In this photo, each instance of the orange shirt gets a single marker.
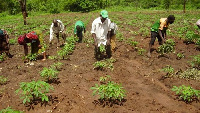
(163, 23)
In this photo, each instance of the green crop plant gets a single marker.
(57, 65)
(12, 41)
(52, 57)
(2, 57)
(105, 78)
(141, 51)
(169, 70)
(49, 73)
(109, 91)
(192, 73)
(131, 42)
(188, 94)
(167, 47)
(196, 61)
(10, 110)
(30, 91)
(3, 80)
(189, 38)
(107, 63)
(179, 56)
(99, 65)
(102, 48)
(31, 57)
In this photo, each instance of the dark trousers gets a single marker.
(97, 51)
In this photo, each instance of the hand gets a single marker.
(39, 46)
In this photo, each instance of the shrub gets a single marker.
(10, 110)
(167, 47)
(188, 94)
(109, 90)
(30, 91)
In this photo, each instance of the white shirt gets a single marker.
(198, 22)
(101, 29)
(114, 27)
(53, 29)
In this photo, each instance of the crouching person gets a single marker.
(101, 33)
(4, 43)
(37, 43)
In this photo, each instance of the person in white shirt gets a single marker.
(198, 23)
(113, 33)
(101, 33)
(56, 28)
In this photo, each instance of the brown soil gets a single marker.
(146, 89)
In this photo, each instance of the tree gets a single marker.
(23, 8)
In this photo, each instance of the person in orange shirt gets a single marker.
(159, 30)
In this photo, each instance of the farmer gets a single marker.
(4, 43)
(159, 30)
(56, 28)
(37, 43)
(79, 27)
(113, 32)
(101, 33)
(198, 23)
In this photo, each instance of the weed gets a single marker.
(192, 73)
(104, 79)
(52, 57)
(188, 94)
(30, 91)
(109, 91)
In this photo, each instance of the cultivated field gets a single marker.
(148, 89)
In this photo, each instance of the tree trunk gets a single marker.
(23, 8)
(184, 3)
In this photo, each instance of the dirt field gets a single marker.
(147, 91)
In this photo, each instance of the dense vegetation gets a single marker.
(57, 6)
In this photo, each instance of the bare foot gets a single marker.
(149, 54)
(44, 59)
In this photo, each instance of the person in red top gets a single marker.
(36, 40)
(4, 43)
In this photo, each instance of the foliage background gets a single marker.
(57, 6)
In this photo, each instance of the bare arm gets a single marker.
(95, 39)
(160, 34)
